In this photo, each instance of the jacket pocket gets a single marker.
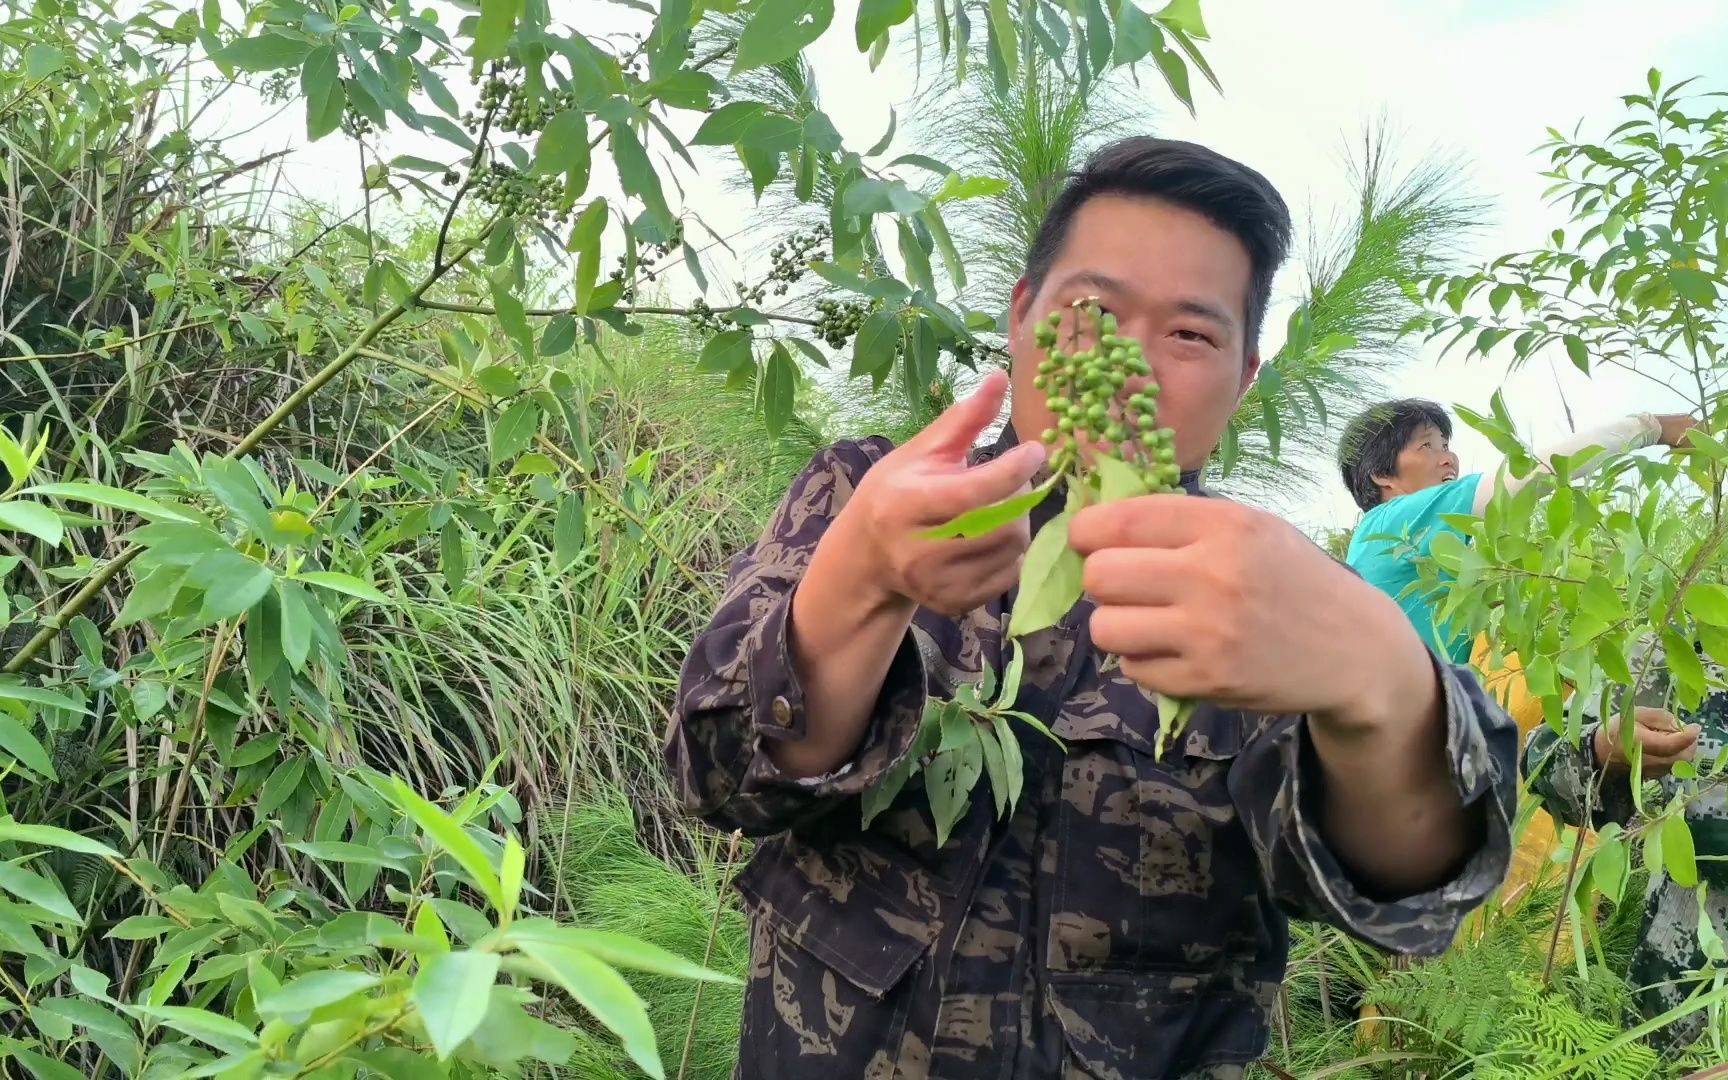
(1155, 872)
(834, 965)
(1151, 1026)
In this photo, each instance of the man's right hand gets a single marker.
(926, 482)
(1663, 739)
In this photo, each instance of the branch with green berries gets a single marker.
(1130, 456)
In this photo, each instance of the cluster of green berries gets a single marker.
(964, 351)
(792, 256)
(705, 320)
(1085, 386)
(522, 196)
(838, 320)
(648, 256)
(355, 125)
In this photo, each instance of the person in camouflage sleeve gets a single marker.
(1129, 917)
(1590, 784)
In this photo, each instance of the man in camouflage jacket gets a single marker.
(1128, 918)
(1590, 784)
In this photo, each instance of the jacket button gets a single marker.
(782, 712)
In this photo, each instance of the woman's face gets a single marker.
(1426, 460)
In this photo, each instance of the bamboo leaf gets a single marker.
(52, 836)
(32, 518)
(443, 831)
(1678, 857)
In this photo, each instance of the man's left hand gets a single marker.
(1204, 598)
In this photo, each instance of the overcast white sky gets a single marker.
(1480, 80)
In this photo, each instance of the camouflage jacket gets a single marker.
(1668, 957)
(1127, 920)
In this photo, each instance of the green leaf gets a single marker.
(873, 350)
(1578, 353)
(1183, 15)
(605, 994)
(779, 30)
(102, 495)
(1013, 762)
(987, 519)
(563, 150)
(51, 836)
(33, 888)
(321, 86)
(41, 61)
(1599, 600)
(452, 991)
(1050, 577)
(453, 555)
(876, 17)
(728, 124)
(995, 767)
(142, 927)
(492, 32)
(442, 829)
(1708, 603)
(284, 781)
(10, 691)
(569, 530)
(1685, 667)
(727, 351)
(1136, 33)
(315, 990)
(779, 389)
(510, 874)
(497, 380)
(514, 430)
(513, 318)
(949, 780)
(917, 260)
(43, 1067)
(341, 851)
(585, 237)
(1678, 856)
(1695, 286)
(296, 624)
(559, 337)
(618, 950)
(16, 740)
(33, 518)
(636, 173)
(932, 219)
(346, 584)
(1608, 866)
(219, 1031)
(1118, 480)
(266, 52)
(232, 583)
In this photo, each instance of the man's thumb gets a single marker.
(959, 425)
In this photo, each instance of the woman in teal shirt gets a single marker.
(1396, 458)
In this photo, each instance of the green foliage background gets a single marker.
(347, 559)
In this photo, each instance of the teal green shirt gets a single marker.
(1380, 550)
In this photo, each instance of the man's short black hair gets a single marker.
(1225, 192)
(1373, 440)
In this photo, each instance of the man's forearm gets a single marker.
(1390, 809)
(845, 633)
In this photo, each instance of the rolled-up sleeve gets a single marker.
(738, 688)
(1276, 785)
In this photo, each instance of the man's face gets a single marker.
(1426, 460)
(1177, 283)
